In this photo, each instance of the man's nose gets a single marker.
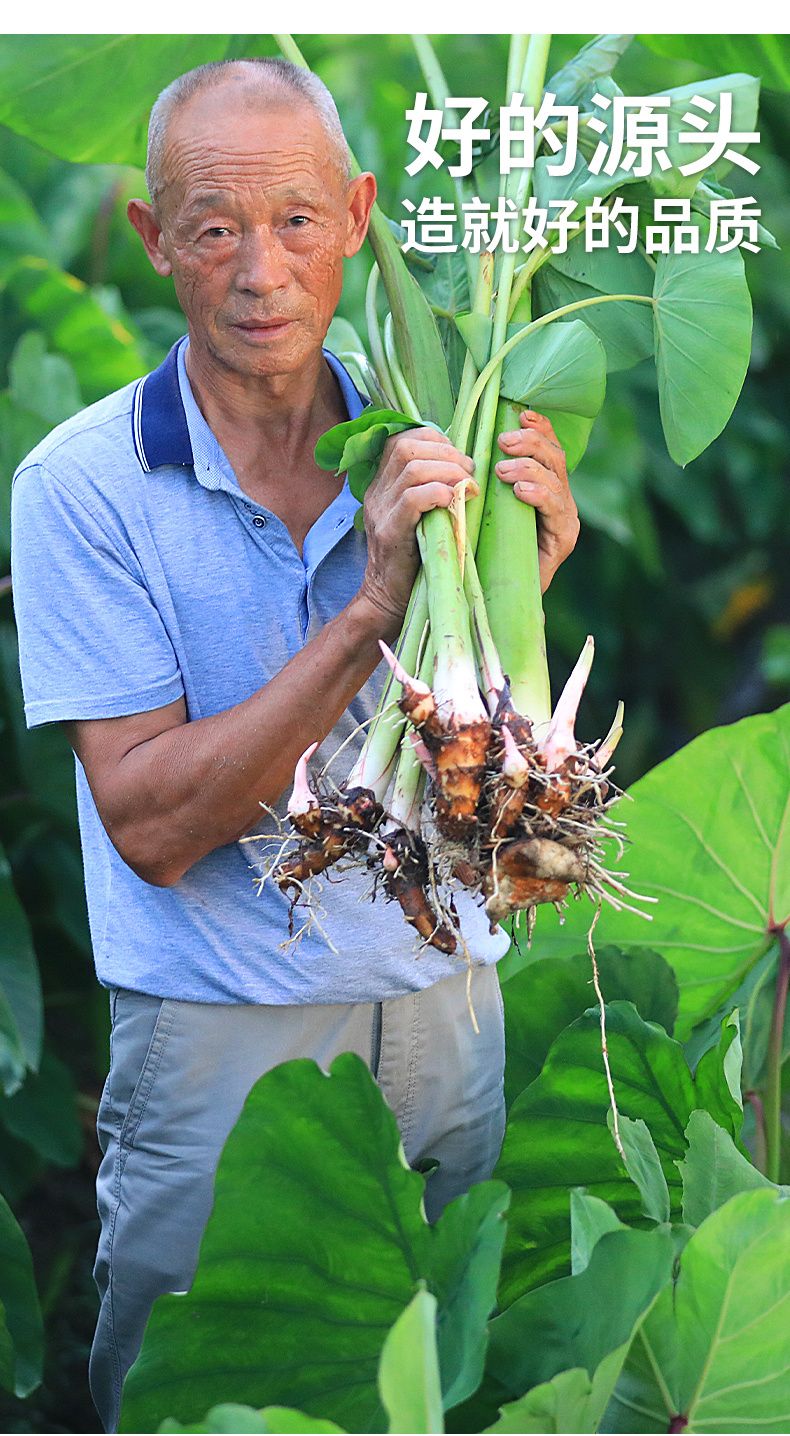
(263, 266)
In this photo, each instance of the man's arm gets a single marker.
(169, 791)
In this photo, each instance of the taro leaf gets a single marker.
(22, 1343)
(554, 367)
(409, 1383)
(20, 989)
(713, 1170)
(562, 1404)
(548, 995)
(709, 833)
(417, 339)
(87, 97)
(702, 314)
(356, 446)
(444, 280)
(343, 341)
(718, 1072)
(573, 435)
(20, 225)
(598, 57)
(316, 1243)
(591, 1219)
(583, 1323)
(476, 332)
(557, 1135)
(105, 352)
(44, 1113)
(583, 186)
(45, 384)
(712, 1353)
(643, 1165)
(284, 1419)
(745, 91)
(230, 1419)
(625, 330)
(6, 1356)
(560, 370)
(765, 55)
(710, 189)
(558, 367)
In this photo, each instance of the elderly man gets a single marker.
(196, 605)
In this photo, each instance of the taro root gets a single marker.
(332, 827)
(406, 881)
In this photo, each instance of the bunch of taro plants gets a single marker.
(472, 781)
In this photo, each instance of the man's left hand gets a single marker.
(535, 466)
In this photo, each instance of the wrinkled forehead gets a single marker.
(234, 138)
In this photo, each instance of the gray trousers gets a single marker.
(179, 1075)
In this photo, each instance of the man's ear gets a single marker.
(361, 195)
(142, 218)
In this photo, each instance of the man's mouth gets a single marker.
(263, 328)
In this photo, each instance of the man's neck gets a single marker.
(269, 428)
(253, 417)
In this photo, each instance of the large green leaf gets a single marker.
(625, 330)
(548, 1340)
(20, 225)
(598, 57)
(231, 1419)
(559, 367)
(546, 996)
(765, 55)
(316, 1243)
(409, 1381)
(44, 383)
(105, 352)
(712, 1354)
(20, 989)
(19, 1309)
(557, 1135)
(713, 1170)
(556, 367)
(408, 1378)
(87, 97)
(643, 1165)
(560, 370)
(702, 314)
(417, 339)
(44, 1113)
(356, 446)
(709, 833)
(591, 1219)
(583, 186)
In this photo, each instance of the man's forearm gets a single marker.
(200, 784)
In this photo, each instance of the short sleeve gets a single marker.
(91, 642)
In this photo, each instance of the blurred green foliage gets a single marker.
(682, 575)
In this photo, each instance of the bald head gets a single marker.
(261, 82)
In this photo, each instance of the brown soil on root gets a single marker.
(527, 872)
(460, 759)
(407, 886)
(340, 827)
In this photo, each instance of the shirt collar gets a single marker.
(160, 431)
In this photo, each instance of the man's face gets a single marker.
(256, 217)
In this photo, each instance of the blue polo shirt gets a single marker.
(142, 572)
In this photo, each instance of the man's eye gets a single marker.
(217, 231)
(299, 220)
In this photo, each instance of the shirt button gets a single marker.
(259, 521)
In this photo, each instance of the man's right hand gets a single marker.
(418, 472)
